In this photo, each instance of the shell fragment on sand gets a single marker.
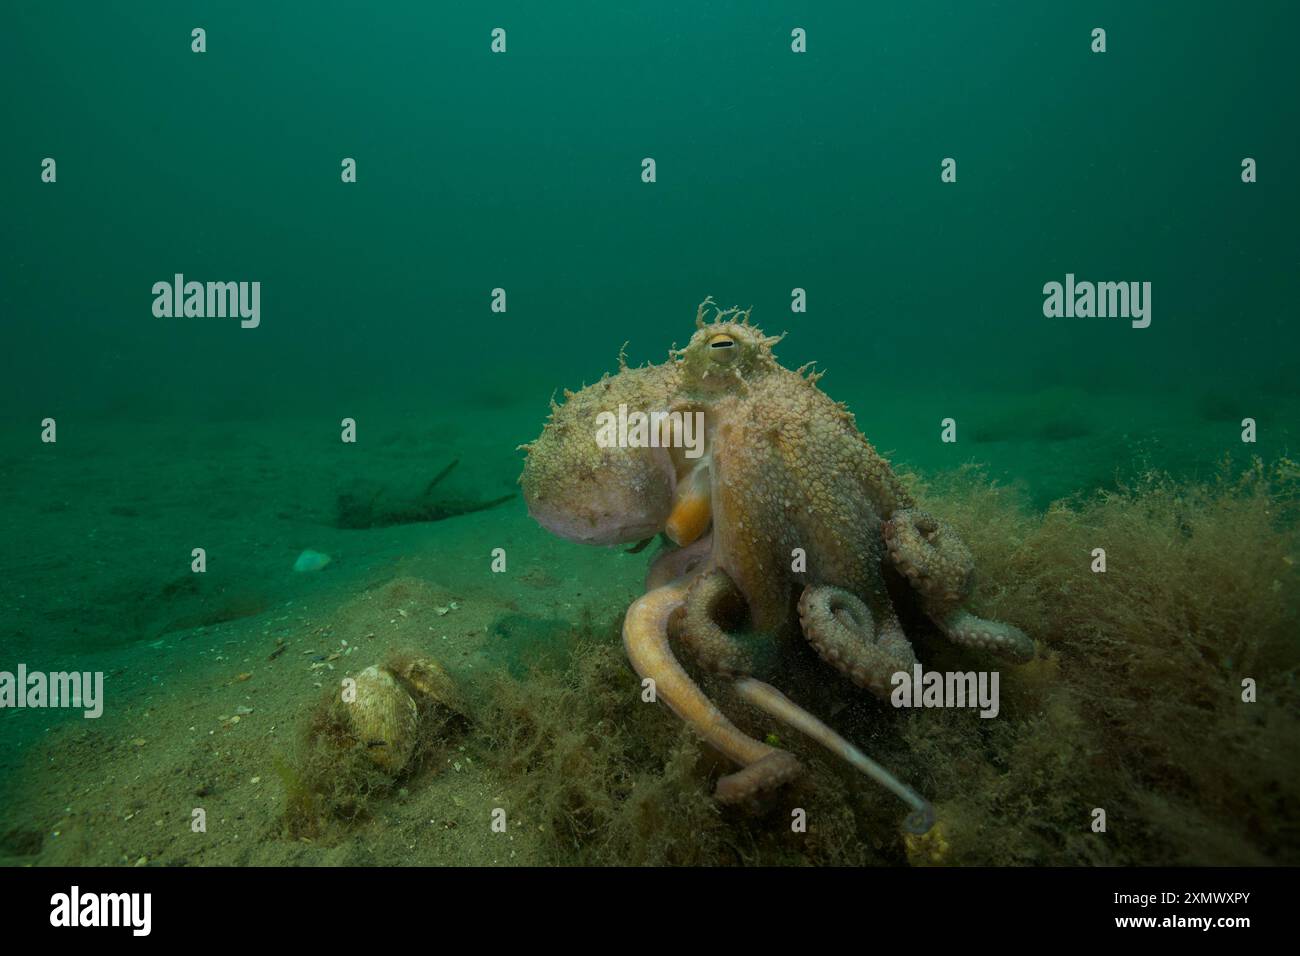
(311, 561)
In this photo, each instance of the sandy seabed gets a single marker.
(211, 680)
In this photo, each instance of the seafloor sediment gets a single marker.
(212, 682)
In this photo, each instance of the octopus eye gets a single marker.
(722, 348)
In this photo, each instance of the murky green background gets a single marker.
(522, 171)
(775, 171)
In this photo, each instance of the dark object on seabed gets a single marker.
(368, 504)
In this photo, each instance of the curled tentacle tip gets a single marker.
(1022, 648)
(920, 820)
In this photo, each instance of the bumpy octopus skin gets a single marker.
(582, 492)
(789, 514)
(790, 470)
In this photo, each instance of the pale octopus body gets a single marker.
(789, 513)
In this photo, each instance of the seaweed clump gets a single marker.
(1144, 714)
(616, 780)
(1134, 706)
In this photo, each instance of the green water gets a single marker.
(775, 171)
(522, 171)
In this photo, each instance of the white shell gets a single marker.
(384, 719)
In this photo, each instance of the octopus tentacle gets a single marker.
(712, 598)
(768, 698)
(669, 565)
(963, 627)
(645, 638)
(887, 493)
(930, 554)
(840, 628)
(940, 567)
(766, 773)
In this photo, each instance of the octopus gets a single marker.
(786, 518)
